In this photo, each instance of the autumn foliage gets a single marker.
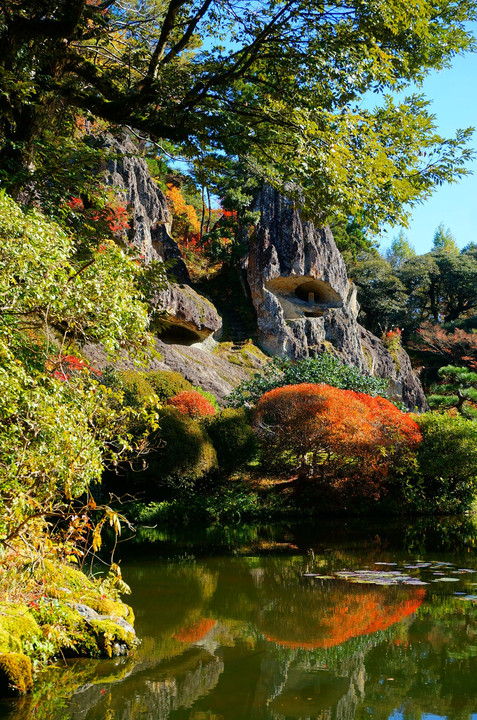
(334, 618)
(458, 347)
(192, 403)
(196, 631)
(185, 223)
(342, 439)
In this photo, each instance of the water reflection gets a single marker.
(249, 637)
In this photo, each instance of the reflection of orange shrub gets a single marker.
(359, 612)
(195, 632)
(192, 403)
(340, 436)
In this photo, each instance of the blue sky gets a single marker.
(454, 102)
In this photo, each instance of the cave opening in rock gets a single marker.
(176, 334)
(317, 292)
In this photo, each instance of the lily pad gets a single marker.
(446, 579)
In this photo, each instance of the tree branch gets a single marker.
(167, 27)
(179, 46)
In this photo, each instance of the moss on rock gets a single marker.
(15, 674)
(17, 624)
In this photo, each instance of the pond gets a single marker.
(326, 621)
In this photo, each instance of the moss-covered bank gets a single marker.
(53, 611)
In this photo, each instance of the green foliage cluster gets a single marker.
(321, 369)
(232, 503)
(59, 423)
(445, 476)
(232, 437)
(292, 77)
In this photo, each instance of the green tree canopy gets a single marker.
(400, 251)
(382, 296)
(458, 389)
(444, 240)
(277, 83)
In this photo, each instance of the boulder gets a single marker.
(185, 316)
(305, 302)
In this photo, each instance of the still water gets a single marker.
(332, 621)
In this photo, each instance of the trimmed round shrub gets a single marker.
(446, 476)
(166, 383)
(183, 452)
(232, 437)
(136, 387)
(192, 403)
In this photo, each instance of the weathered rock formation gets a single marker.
(188, 317)
(128, 173)
(305, 302)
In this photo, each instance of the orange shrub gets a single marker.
(192, 403)
(348, 440)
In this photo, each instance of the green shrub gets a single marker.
(322, 369)
(182, 452)
(208, 396)
(446, 475)
(166, 383)
(232, 437)
(136, 387)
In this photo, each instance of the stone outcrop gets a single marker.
(216, 367)
(305, 302)
(403, 382)
(128, 173)
(188, 316)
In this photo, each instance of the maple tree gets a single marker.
(342, 439)
(456, 346)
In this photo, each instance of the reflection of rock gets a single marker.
(307, 694)
(305, 303)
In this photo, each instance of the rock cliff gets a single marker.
(305, 302)
(187, 316)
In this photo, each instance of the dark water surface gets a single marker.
(255, 623)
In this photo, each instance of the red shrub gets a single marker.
(340, 437)
(192, 403)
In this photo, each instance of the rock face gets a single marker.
(188, 316)
(150, 227)
(305, 302)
